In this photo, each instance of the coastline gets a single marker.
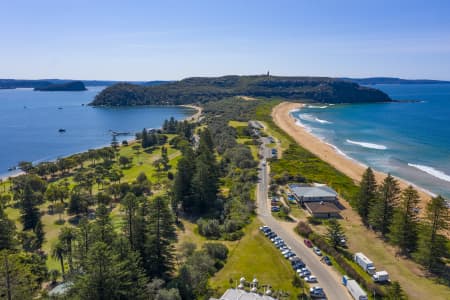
(354, 169)
(193, 118)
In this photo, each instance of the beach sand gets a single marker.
(195, 117)
(281, 115)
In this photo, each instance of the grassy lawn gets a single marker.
(141, 162)
(408, 273)
(237, 124)
(255, 256)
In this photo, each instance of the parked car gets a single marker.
(275, 238)
(268, 232)
(298, 265)
(303, 272)
(317, 251)
(316, 291)
(311, 278)
(271, 235)
(262, 228)
(289, 255)
(326, 260)
(275, 209)
(308, 243)
(285, 251)
(295, 259)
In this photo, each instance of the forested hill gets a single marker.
(69, 86)
(204, 89)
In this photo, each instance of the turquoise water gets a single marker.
(29, 124)
(410, 140)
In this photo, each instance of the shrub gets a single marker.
(209, 228)
(314, 220)
(303, 229)
(216, 250)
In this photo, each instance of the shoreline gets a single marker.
(193, 118)
(354, 169)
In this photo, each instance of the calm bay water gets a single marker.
(410, 140)
(29, 124)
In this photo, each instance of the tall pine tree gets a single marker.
(432, 244)
(367, 194)
(206, 177)
(403, 230)
(182, 189)
(382, 210)
(159, 257)
(30, 214)
(7, 232)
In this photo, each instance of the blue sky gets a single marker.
(149, 40)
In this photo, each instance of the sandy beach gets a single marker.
(195, 117)
(281, 115)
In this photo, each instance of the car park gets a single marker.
(308, 243)
(317, 251)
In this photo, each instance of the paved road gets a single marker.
(328, 278)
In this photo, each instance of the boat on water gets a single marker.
(116, 133)
(61, 130)
(60, 108)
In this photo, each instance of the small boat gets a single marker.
(62, 130)
(115, 133)
(60, 108)
(12, 168)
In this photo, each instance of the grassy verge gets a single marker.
(255, 256)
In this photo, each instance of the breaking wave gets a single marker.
(368, 145)
(431, 171)
(315, 106)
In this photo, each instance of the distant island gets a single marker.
(69, 86)
(36, 83)
(392, 80)
(205, 89)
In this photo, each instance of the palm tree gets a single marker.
(58, 253)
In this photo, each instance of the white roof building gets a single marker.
(237, 294)
(315, 193)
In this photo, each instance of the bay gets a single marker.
(30, 123)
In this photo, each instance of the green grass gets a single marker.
(236, 124)
(255, 256)
(142, 162)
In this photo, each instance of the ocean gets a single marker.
(30, 123)
(410, 140)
